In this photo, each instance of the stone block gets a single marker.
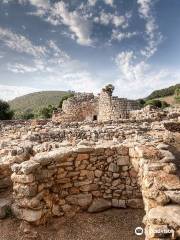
(99, 205)
(122, 160)
(113, 168)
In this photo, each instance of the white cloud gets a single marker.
(120, 36)
(109, 18)
(20, 43)
(154, 37)
(92, 2)
(40, 3)
(77, 24)
(138, 78)
(11, 92)
(109, 2)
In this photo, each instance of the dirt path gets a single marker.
(115, 224)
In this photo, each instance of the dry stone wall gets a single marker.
(160, 186)
(69, 180)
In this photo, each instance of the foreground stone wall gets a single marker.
(160, 185)
(69, 180)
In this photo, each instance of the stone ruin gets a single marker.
(52, 170)
(87, 107)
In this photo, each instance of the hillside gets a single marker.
(34, 101)
(163, 92)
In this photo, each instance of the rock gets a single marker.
(135, 203)
(98, 173)
(118, 203)
(113, 168)
(4, 207)
(162, 146)
(28, 167)
(169, 214)
(174, 196)
(82, 200)
(28, 215)
(123, 160)
(99, 205)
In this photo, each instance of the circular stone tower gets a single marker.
(105, 103)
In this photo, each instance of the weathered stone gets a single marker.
(28, 215)
(135, 203)
(99, 205)
(123, 160)
(173, 195)
(98, 173)
(4, 207)
(83, 200)
(113, 168)
(118, 203)
(169, 214)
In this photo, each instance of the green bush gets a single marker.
(46, 112)
(5, 112)
(154, 102)
(141, 103)
(163, 92)
(157, 103)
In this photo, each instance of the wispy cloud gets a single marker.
(77, 23)
(138, 78)
(11, 92)
(120, 36)
(154, 37)
(20, 43)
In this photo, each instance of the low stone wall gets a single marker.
(69, 180)
(160, 185)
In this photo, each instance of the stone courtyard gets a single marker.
(52, 172)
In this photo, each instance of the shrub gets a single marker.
(154, 102)
(46, 112)
(5, 112)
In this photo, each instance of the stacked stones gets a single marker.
(73, 179)
(160, 186)
(78, 108)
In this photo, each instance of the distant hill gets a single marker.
(34, 101)
(165, 92)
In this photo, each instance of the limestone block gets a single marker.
(82, 200)
(28, 167)
(99, 205)
(135, 203)
(22, 178)
(83, 156)
(122, 160)
(173, 195)
(98, 173)
(169, 214)
(113, 168)
(28, 215)
(118, 203)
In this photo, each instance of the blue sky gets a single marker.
(83, 45)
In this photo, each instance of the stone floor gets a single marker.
(114, 224)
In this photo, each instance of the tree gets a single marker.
(47, 112)
(155, 102)
(5, 112)
(141, 103)
(109, 88)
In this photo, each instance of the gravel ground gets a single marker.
(114, 224)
